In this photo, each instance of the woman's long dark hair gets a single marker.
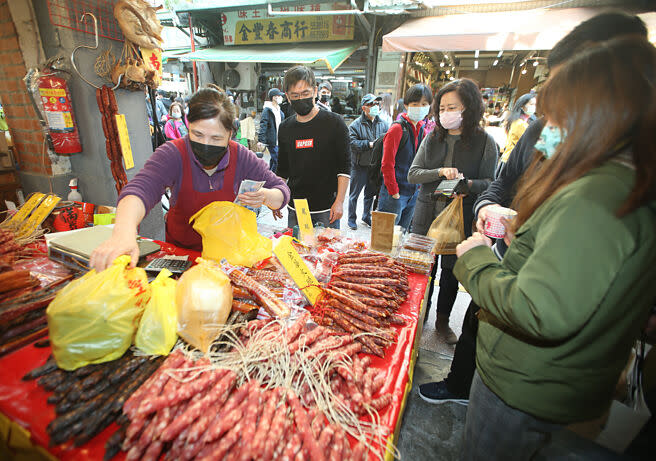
(470, 96)
(518, 109)
(211, 102)
(603, 97)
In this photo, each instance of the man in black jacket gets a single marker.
(363, 132)
(272, 116)
(502, 191)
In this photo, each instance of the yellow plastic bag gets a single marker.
(94, 318)
(157, 330)
(204, 300)
(230, 231)
(448, 228)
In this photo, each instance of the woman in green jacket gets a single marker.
(561, 311)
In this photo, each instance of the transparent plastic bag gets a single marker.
(229, 232)
(157, 331)
(448, 229)
(204, 301)
(94, 318)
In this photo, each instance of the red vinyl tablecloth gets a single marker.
(24, 402)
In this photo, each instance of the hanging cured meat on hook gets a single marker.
(109, 109)
(142, 30)
(139, 23)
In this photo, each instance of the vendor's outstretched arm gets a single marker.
(129, 213)
(273, 198)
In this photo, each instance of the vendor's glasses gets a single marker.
(369, 104)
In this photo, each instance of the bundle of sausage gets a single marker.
(243, 422)
(363, 296)
(245, 296)
(352, 385)
(90, 398)
(9, 248)
(250, 289)
(106, 100)
(23, 304)
(191, 410)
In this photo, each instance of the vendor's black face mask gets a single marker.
(303, 106)
(208, 155)
(324, 98)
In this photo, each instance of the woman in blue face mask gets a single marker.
(199, 168)
(457, 148)
(559, 314)
(397, 194)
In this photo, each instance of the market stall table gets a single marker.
(24, 402)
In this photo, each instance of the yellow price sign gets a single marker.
(26, 209)
(39, 215)
(124, 140)
(297, 269)
(154, 58)
(305, 227)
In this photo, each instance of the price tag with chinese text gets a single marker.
(305, 227)
(297, 269)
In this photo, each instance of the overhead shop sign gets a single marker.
(253, 27)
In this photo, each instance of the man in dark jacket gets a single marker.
(267, 136)
(363, 132)
(502, 191)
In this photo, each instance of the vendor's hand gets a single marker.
(120, 243)
(396, 196)
(260, 147)
(336, 211)
(510, 235)
(255, 199)
(474, 241)
(482, 216)
(449, 173)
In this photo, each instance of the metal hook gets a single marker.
(95, 47)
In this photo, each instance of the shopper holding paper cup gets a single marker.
(562, 310)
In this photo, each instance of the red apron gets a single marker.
(179, 231)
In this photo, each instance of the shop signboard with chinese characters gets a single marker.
(256, 26)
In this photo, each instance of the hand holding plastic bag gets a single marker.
(448, 228)
(94, 318)
(229, 232)
(157, 330)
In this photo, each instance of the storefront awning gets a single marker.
(332, 54)
(174, 54)
(513, 30)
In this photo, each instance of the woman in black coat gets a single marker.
(457, 147)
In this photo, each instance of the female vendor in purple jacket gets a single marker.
(203, 167)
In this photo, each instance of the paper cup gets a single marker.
(493, 226)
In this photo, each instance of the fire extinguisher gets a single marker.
(58, 111)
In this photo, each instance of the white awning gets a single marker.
(512, 30)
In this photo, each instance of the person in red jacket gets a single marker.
(397, 195)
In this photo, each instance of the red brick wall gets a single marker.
(21, 117)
